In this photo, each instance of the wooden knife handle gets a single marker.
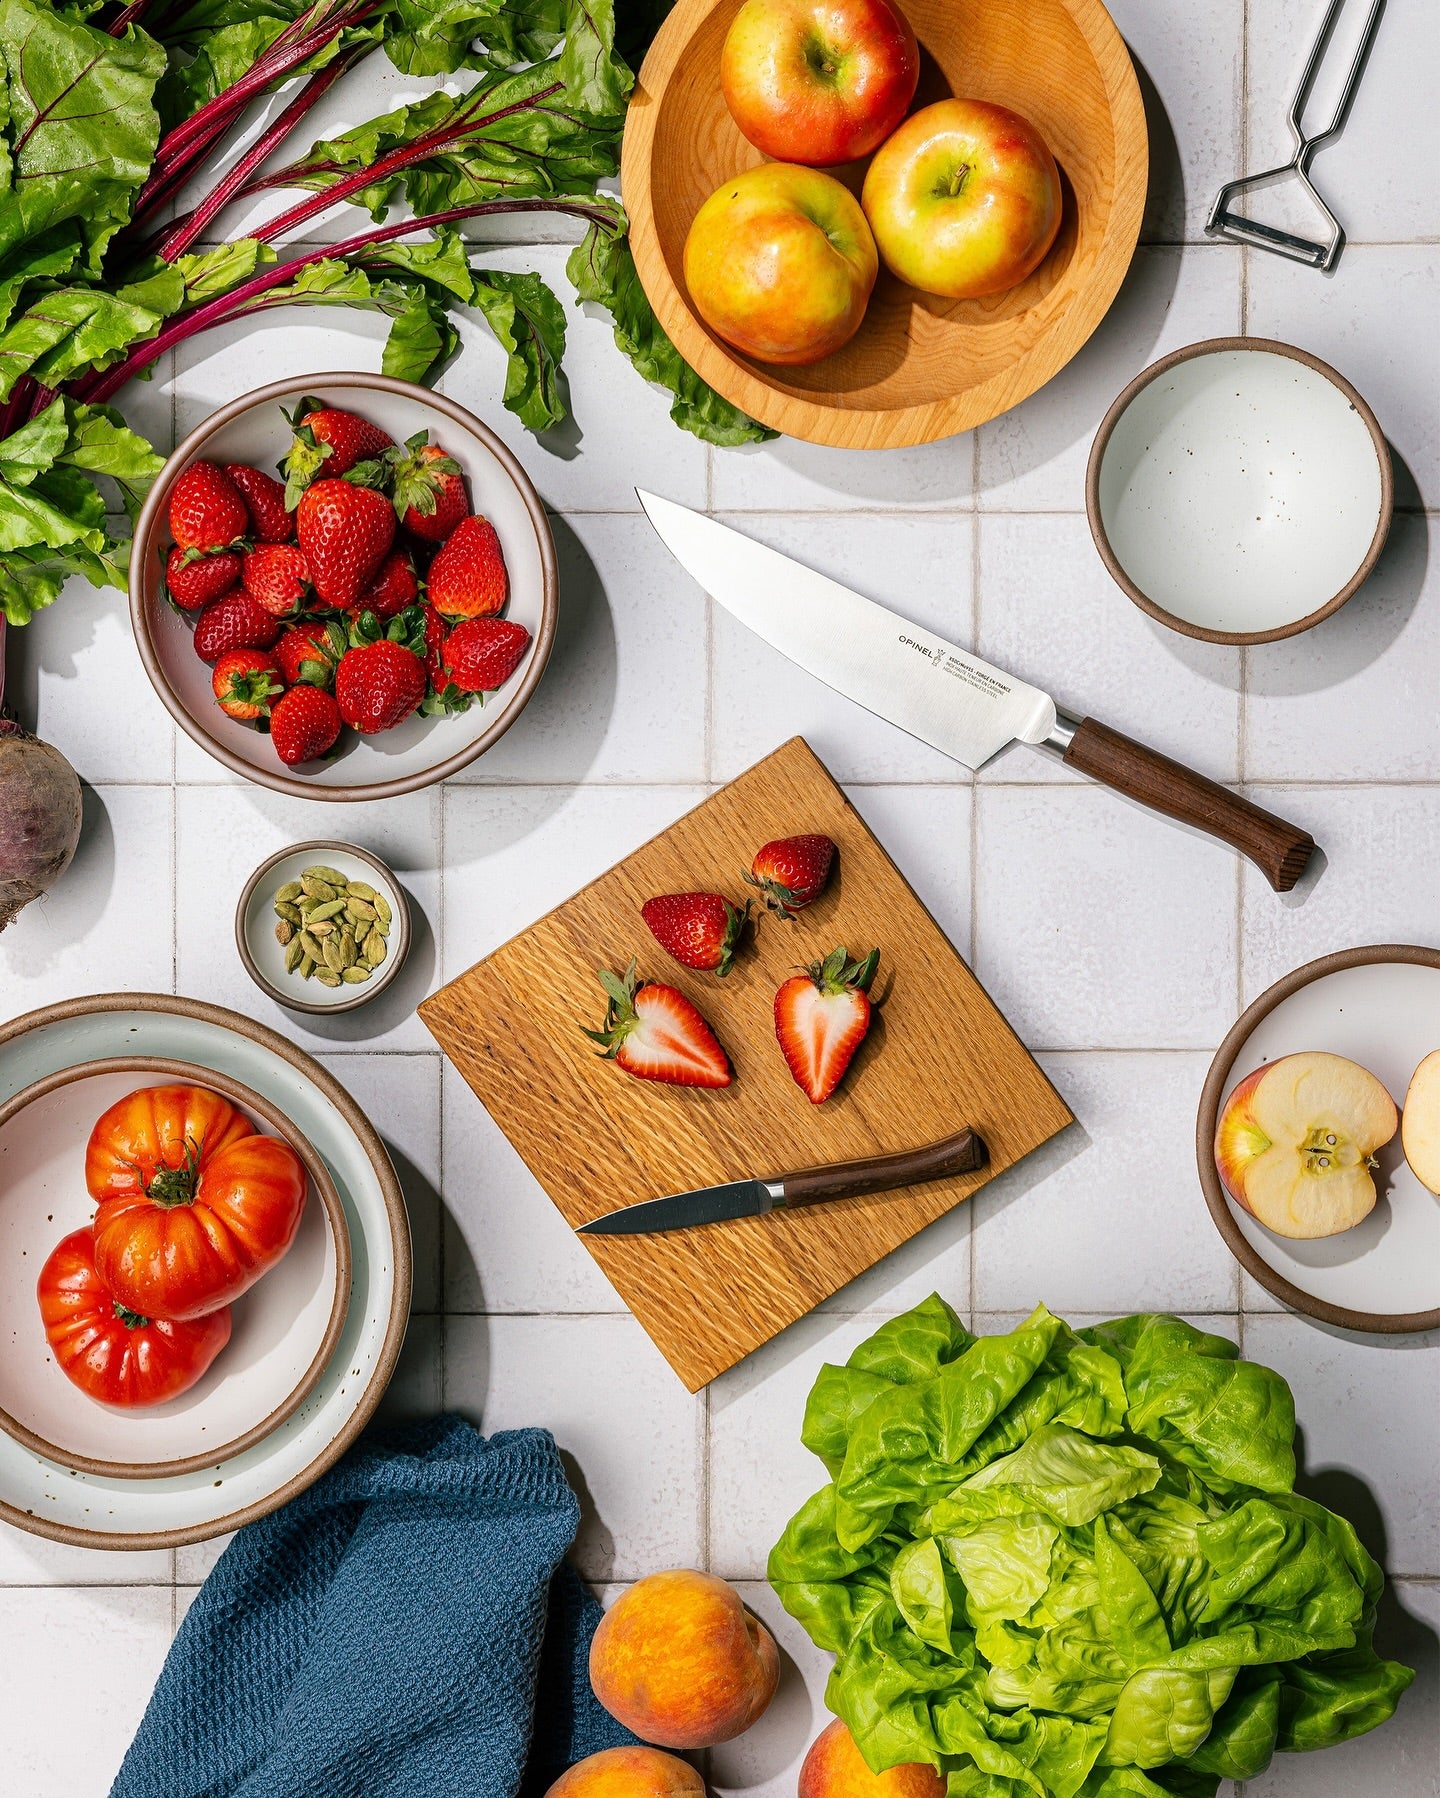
(1279, 850)
(958, 1154)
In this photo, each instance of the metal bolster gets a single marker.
(1062, 734)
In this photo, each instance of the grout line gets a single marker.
(680, 783)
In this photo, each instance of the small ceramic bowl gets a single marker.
(1239, 490)
(264, 957)
(1379, 1006)
(284, 1329)
(420, 750)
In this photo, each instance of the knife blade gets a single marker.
(960, 704)
(961, 1153)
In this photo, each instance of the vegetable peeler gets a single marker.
(1233, 226)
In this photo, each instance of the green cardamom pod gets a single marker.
(331, 876)
(353, 976)
(374, 949)
(307, 962)
(382, 910)
(294, 954)
(311, 945)
(330, 909)
(291, 890)
(317, 889)
(360, 909)
(361, 889)
(327, 977)
(290, 913)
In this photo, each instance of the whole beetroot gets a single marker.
(39, 818)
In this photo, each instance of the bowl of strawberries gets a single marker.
(343, 587)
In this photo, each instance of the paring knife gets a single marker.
(960, 705)
(958, 1154)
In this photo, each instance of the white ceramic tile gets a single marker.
(513, 853)
(618, 698)
(194, 1562)
(27, 1560)
(1213, 1323)
(1355, 698)
(1050, 612)
(81, 1667)
(1374, 321)
(417, 1388)
(506, 1246)
(1368, 1409)
(1188, 60)
(786, 475)
(224, 833)
(105, 926)
(619, 435)
(926, 833)
(1377, 884)
(765, 1761)
(1032, 459)
(920, 567)
(75, 677)
(1118, 1223)
(1100, 925)
(628, 1430)
(1378, 196)
(401, 1096)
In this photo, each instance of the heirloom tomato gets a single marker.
(194, 1204)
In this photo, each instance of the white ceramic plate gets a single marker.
(1380, 1007)
(420, 750)
(105, 1512)
(1240, 491)
(282, 1330)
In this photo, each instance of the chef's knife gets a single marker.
(958, 1154)
(960, 705)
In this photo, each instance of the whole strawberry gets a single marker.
(193, 578)
(328, 440)
(791, 872)
(245, 682)
(277, 576)
(378, 685)
(393, 588)
(468, 578)
(234, 622)
(432, 629)
(345, 532)
(701, 930)
(428, 490)
(270, 522)
(481, 654)
(304, 724)
(311, 652)
(207, 509)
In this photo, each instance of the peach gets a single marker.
(835, 1768)
(679, 1660)
(629, 1773)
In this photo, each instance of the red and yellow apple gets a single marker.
(819, 81)
(1420, 1123)
(629, 1773)
(834, 1768)
(780, 263)
(964, 199)
(678, 1659)
(1296, 1141)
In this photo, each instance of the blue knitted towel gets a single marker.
(406, 1628)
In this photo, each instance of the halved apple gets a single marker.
(1420, 1125)
(1296, 1141)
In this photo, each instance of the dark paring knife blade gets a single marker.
(683, 1210)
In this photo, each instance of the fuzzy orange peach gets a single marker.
(629, 1773)
(679, 1660)
(834, 1768)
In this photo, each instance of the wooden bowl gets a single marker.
(919, 367)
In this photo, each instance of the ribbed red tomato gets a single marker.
(194, 1204)
(111, 1353)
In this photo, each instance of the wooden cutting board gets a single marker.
(939, 1056)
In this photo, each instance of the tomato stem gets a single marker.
(172, 1186)
(132, 1320)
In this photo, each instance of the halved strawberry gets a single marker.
(821, 1017)
(655, 1033)
(701, 930)
(791, 871)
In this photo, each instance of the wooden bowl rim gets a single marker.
(394, 1199)
(923, 421)
(1382, 1323)
(1215, 346)
(192, 1074)
(149, 525)
(394, 960)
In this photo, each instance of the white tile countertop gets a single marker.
(1120, 948)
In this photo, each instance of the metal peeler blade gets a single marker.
(1235, 227)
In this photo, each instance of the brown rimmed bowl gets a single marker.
(264, 958)
(421, 750)
(284, 1329)
(1380, 1006)
(1239, 490)
(919, 367)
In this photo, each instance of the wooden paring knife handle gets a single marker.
(1279, 850)
(958, 1154)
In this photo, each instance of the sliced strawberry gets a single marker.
(655, 1033)
(821, 1017)
(791, 872)
(193, 578)
(701, 930)
(269, 520)
(304, 724)
(207, 509)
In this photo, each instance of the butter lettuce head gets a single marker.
(1071, 1564)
